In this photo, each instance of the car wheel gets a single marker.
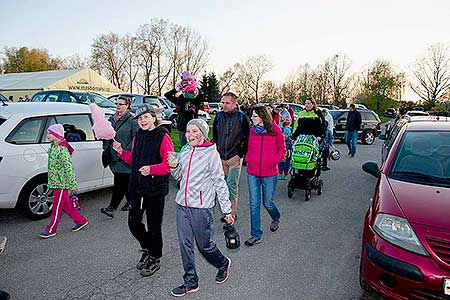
(174, 120)
(368, 137)
(290, 189)
(36, 198)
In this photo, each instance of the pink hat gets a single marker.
(56, 130)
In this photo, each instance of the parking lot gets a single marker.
(314, 254)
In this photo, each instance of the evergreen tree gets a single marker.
(213, 88)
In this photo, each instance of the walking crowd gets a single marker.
(142, 158)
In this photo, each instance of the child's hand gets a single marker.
(229, 218)
(145, 170)
(117, 147)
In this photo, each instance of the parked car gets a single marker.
(391, 112)
(413, 113)
(73, 97)
(328, 106)
(204, 115)
(370, 126)
(24, 145)
(297, 108)
(406, 237)
(358, 106)
(4, 99)
(137, 100)
(205, 107)
(215, 107)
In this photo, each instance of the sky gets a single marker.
(291, 33)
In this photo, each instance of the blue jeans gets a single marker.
(267, 185)
(351, 138)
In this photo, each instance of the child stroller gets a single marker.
(305, 166)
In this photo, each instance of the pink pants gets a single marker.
(62, 202)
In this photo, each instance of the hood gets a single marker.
(423, 204)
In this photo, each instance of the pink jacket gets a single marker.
(265, 152)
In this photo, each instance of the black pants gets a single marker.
(120, 189)
(325, 154)
(150, 238)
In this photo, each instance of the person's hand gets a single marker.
(117, 147)
(319, 139)
(229, 218)
(145, 170)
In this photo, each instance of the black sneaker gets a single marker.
(274, 225)
(183, 290)
(144, 259)
(222, 275)
(4, 295)
(325, 168)
(78, 227)
(252, 241)
(151, 267)
(109, 211)
(126, 207)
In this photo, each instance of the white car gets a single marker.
(416, 113)
(204, 115)
(23, 153)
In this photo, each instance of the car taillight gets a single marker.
(379, 125)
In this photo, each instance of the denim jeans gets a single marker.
(351, 138)
(267, 186)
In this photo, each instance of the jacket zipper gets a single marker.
(201, 198)
(260, 154)
(187, 178)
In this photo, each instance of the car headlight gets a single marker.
(397, 231)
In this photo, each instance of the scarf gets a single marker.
(259, 129)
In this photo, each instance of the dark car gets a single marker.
(370, 127)
(390, 113)
(73, 97)
(405, 251)
(138, 99)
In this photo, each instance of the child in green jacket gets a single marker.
(61, 178)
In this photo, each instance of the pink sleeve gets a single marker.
(281, 146)
(163, 168)
(127, 156)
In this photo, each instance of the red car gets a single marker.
(406, 237)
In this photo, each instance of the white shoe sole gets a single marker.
(187, 292)
(81, 227)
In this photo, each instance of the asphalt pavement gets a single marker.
(314, 254)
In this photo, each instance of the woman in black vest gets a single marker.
(149, 184)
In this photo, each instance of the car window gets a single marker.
(393, 135)
(77, 128)
(337, 114)
(27, 132)
(151, 100)
(67, 97)
(431, 149)
(39, 97)
(52, 97)
(368, 116)
(113, 98)
(101, 101)
(50, 121)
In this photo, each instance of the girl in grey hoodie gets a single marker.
(198, 168)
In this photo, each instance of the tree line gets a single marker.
(151, 60)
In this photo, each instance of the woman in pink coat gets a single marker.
(266, 148)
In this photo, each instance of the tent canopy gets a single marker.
(73, 80)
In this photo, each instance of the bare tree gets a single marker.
(106, 52)
(321, 85)
(196, 51)
(130, 53)
(336, 69)
(250, 74)
(75, 61)
(146, 45)
(227, 80)
(432, 74)
(270, 91)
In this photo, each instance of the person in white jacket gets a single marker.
(198, 168)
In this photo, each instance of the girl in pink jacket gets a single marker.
(266, 148)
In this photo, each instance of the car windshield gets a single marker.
(423, 157)
(337, 113)
(95, 98)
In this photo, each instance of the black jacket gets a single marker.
(230, 133)
(353, 121)
(146, 152)
(187, 108)
(310, 126)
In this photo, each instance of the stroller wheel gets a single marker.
(290, 189)
(319, 187)
(307, 194)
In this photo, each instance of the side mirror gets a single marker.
(371, 168)
(382, 136)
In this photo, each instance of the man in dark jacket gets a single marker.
(352, 126)
(187, 108)
(230, 133)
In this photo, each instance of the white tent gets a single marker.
(21, 84)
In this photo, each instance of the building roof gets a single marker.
(33, 80)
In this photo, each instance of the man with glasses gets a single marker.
(230, 132)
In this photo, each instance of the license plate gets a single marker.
(447, 286)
